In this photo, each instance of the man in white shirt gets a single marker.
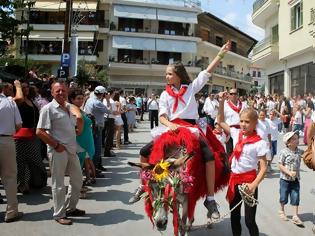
(153, 107)
(10, 122)
(123, 103)
(232, 109)
(211, 107)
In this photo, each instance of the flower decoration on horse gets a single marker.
(174, 178)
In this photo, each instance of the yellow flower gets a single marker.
(160, 170)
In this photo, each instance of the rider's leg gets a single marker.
(209, 202)
(144, 154)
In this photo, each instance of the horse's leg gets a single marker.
(184, 226)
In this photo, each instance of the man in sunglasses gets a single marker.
(232, 108)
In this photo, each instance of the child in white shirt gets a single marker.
(249, 150)
(274, 124)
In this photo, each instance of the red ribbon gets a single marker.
(253, 138)
(235, 108)
(237, 179)
(178, 96)
(167, 191)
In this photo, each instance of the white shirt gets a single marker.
(274, 128)
(263, 129)
(270, 106)
(249, 157)
(189, 110)
(122, 101)
(211, 107)
(113, 106)
(313, 116)
(153, 104)
(298, 118)
(231, 117)
(10, 116)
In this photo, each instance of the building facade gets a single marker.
(287, 53)
(135, 40)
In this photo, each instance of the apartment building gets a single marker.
(287, 53)
(47, 34)
(135, 40)
(234, 69)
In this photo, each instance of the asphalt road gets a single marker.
(109, 214)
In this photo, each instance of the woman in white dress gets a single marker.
(118, 120)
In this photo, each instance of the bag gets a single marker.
(309, 155)
(25, 133)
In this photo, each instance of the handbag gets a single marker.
(25, 133)
(309, 155)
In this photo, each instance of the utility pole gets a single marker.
(67, 32)
(29, 4)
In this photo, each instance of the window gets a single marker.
(297, 16)
(254, 73)
(259, 74)
(234, 47)
(219, 41)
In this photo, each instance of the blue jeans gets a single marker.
(291, 188)
(273, 148)
(297, 127)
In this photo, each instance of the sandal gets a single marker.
(283, 216)
(296, 220)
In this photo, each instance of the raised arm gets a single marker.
(220, 116)
(224, 49)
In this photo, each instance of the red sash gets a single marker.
(237, 179)
(235, 108)
(241, 141)
(178, 96)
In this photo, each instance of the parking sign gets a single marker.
(65, 60)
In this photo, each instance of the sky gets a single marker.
(235, 12)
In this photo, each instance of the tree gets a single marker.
(88, 71)
(8, 26)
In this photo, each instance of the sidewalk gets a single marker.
(108, 212)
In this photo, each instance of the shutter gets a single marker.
(292, 18)
(301, 21)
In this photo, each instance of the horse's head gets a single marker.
(164, 183)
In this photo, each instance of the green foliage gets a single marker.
(87, 71)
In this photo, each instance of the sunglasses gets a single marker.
(233, 93)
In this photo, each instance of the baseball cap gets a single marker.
(99, 90)
(289, 135)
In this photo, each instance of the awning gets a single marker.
(135, 12)
(177, 16)
(49, 6)
(133, 43)
(166, 45)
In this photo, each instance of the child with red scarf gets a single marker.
(178, 107)
(249, 150)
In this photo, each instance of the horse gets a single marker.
(174, 177)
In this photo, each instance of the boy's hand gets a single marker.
(292, 174)
(251, 189)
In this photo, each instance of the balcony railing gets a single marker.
(258, 4)
(267, 42)
(233, 74)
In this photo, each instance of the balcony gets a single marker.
(233, 75)
(263, 10)
(266, 50)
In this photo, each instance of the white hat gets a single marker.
(99, 90)
(289, 135)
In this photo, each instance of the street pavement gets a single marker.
(109, 214)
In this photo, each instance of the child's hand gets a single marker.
(292, 174)
(173, 126)
(226, 47)
(223, 95)
(251, 189)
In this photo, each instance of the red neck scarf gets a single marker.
(235, 108)
(217, 132)
(253, 138)
(178, 96)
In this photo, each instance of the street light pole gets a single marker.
(67, 32)
(29, 4)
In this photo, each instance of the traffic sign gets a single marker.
(65, 60)
(62, 73)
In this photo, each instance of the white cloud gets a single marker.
(252, 29)
(230, 18)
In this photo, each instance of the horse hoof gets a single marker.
(209, 223)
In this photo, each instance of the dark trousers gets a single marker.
(210, 121)
(97, 135)
(126, 129)
(229, 147)
(154, 117)
(250, 215)
(109, 135)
